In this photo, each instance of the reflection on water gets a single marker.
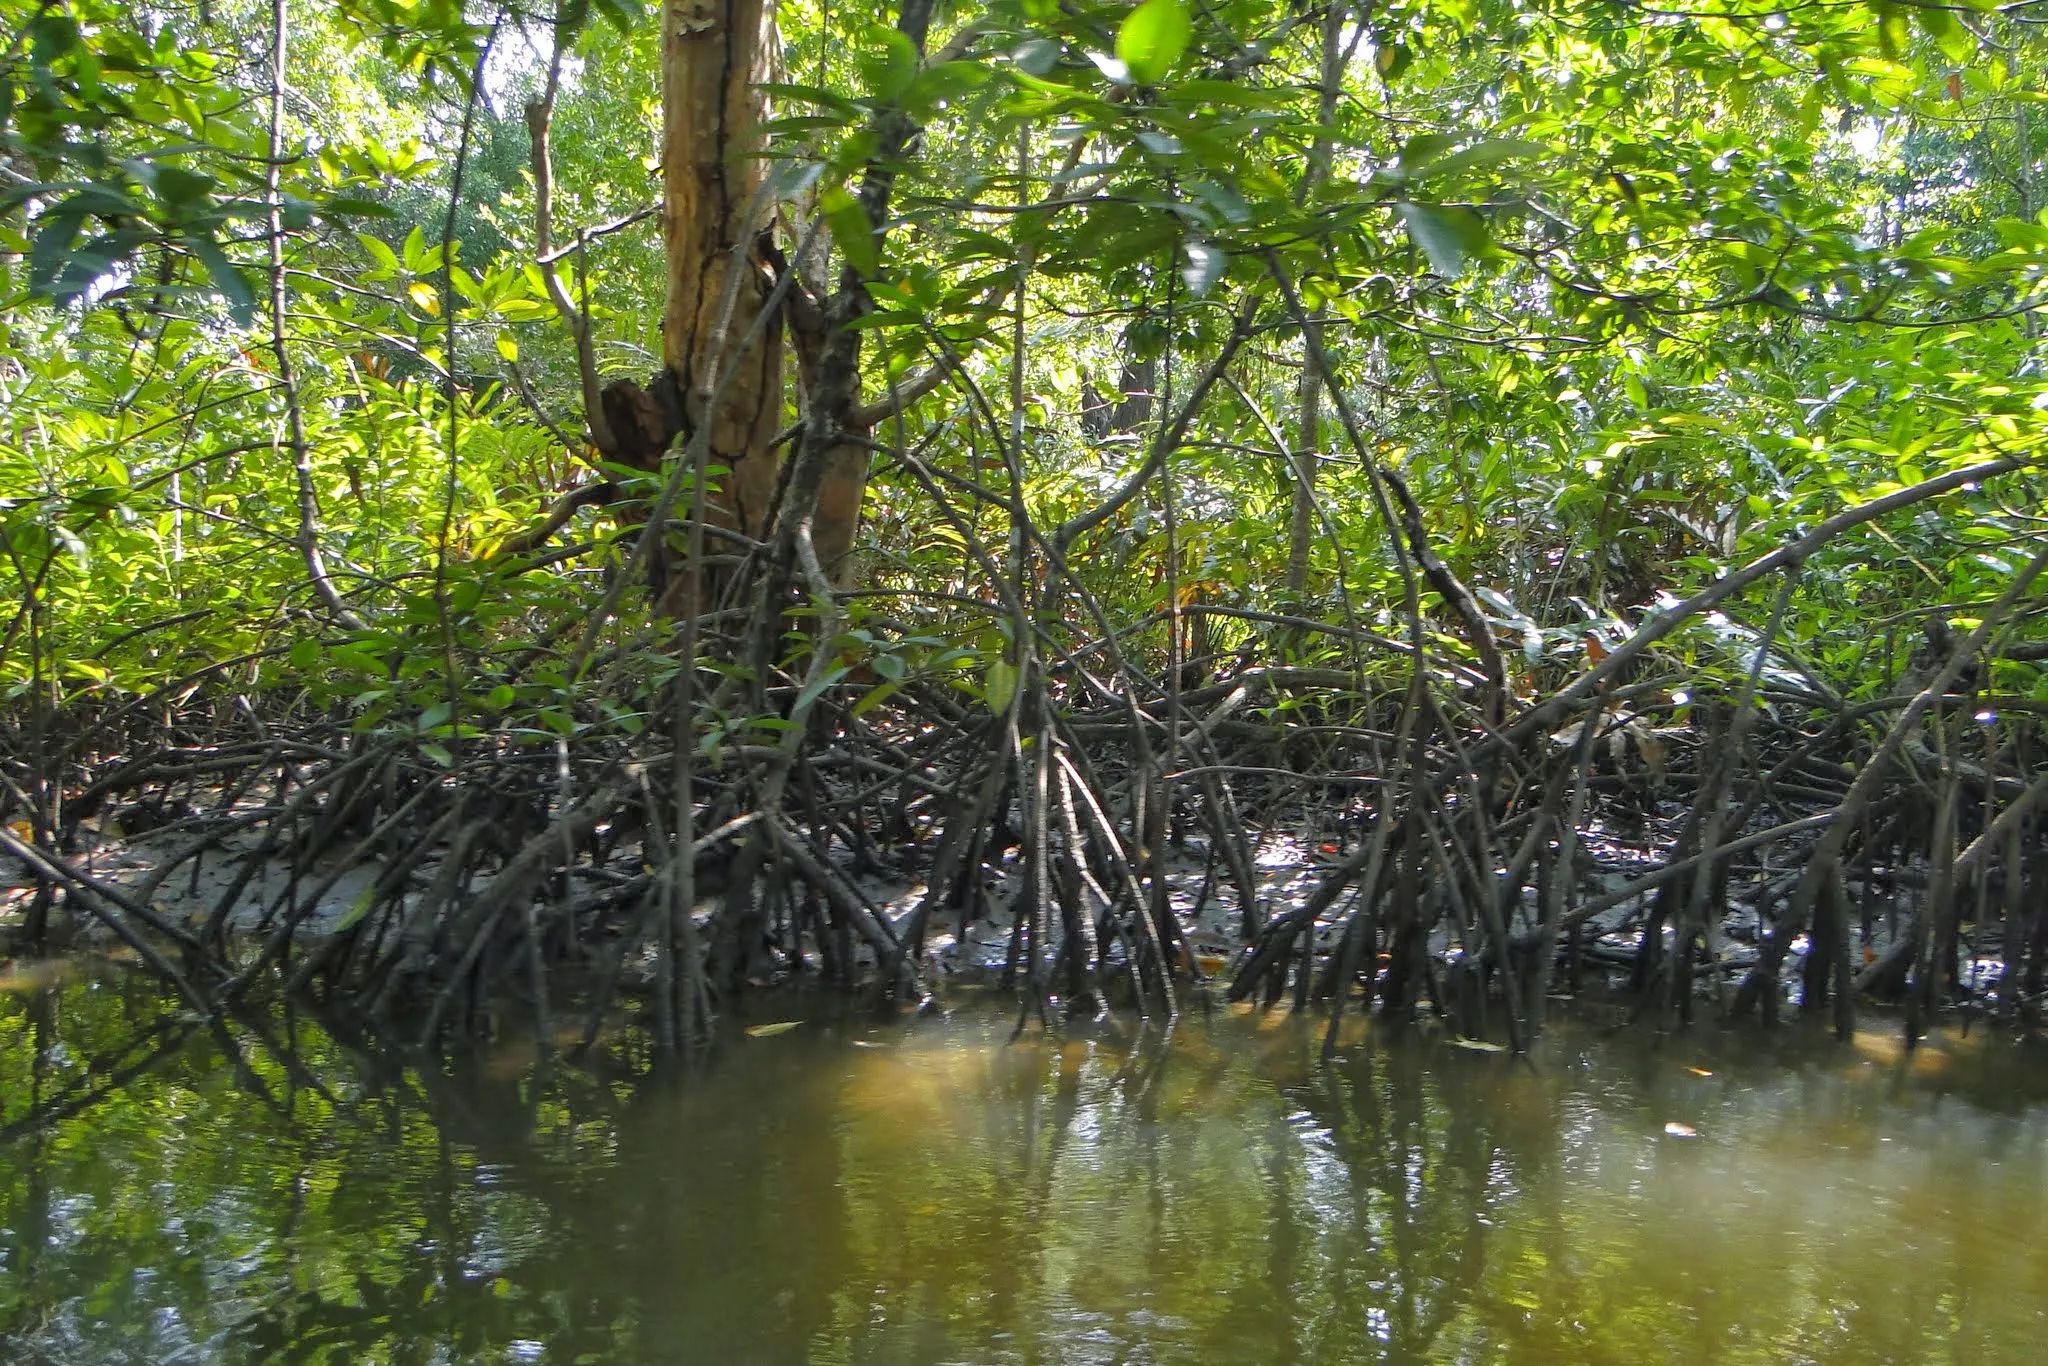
(177, 1191)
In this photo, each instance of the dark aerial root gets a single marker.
(1697, 832)
(1460, 865)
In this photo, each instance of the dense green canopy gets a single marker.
(1628, 293)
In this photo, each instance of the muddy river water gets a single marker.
(851, 1190)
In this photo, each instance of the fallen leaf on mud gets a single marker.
(1673, 1129)
(767, 1031)
(1479, 1045)
(1210, 962)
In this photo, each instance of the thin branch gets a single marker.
(540, 116)
(295, 417)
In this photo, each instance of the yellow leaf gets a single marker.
(423, 294)
(1673, 1129)
(769, 1031)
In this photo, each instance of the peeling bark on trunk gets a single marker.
(715, 54)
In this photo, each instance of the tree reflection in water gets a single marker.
(260, 1189)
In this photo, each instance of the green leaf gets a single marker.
(362, 907)
(1484, 156)
(851, 231)
(769, 1031)
(1037, 57)
(305, 654)
(73, 545)
(90, 262)
(1893, 31)
(380, 251)
(240, 299)
(1206, 264)
(178, 188)
(875, 697)
(1424, 148)
(1957, 43)
(355, 206)
(620, 14)
(813, 94)
(54, 235)
(889, 63)
(14, 196)
(1153, 38)
(815, 689)
(1448, 237)
(1000, 686)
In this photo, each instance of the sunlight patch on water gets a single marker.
(940, 1193)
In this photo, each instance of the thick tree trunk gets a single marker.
(715, 54)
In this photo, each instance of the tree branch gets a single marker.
(540, 116)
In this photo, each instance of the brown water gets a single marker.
(928, 1192)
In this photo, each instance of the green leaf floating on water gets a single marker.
(769, 1031)
(1479, 1045)
(357, 911)
(1153, 38)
